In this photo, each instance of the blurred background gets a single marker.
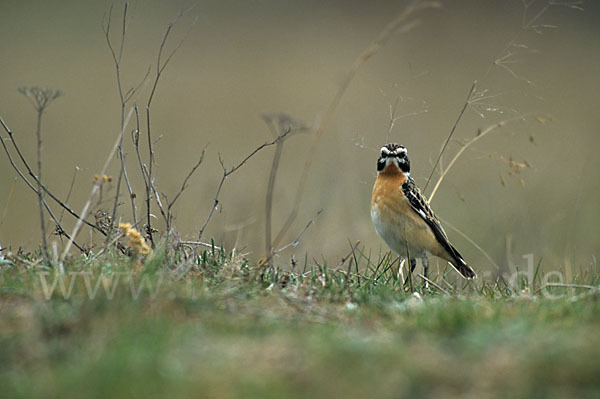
(245, 58)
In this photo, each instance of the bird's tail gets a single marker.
(460, 265)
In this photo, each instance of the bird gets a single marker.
(403, 218)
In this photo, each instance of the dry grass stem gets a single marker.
(432, 283)
(296, 241)
(473, 243)
(348, 256)
(460, 115)
(479, 136)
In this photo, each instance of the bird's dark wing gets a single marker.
(420, 205)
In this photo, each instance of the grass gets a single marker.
(226, 327)
(217, 324)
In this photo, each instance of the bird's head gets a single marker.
(393, 156)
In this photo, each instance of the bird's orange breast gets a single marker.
(387, 190)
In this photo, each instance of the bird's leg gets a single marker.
(413, 265)
(425, 262)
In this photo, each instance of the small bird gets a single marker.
(403, 218)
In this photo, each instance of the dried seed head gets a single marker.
(40, 97)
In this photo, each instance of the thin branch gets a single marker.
(124, 97)
(136, 144)
(227, 173)
(117, 58)
(160, 67)
(135, 137)
(157, 198)
(131, 92)
(185, 181)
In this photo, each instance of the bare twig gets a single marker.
(131, 92)
(160, 67)
(124, 98)
(136, 144)
(296, 241)
(397, 24)
(185, 181)
(157, 198)
(227, 173)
